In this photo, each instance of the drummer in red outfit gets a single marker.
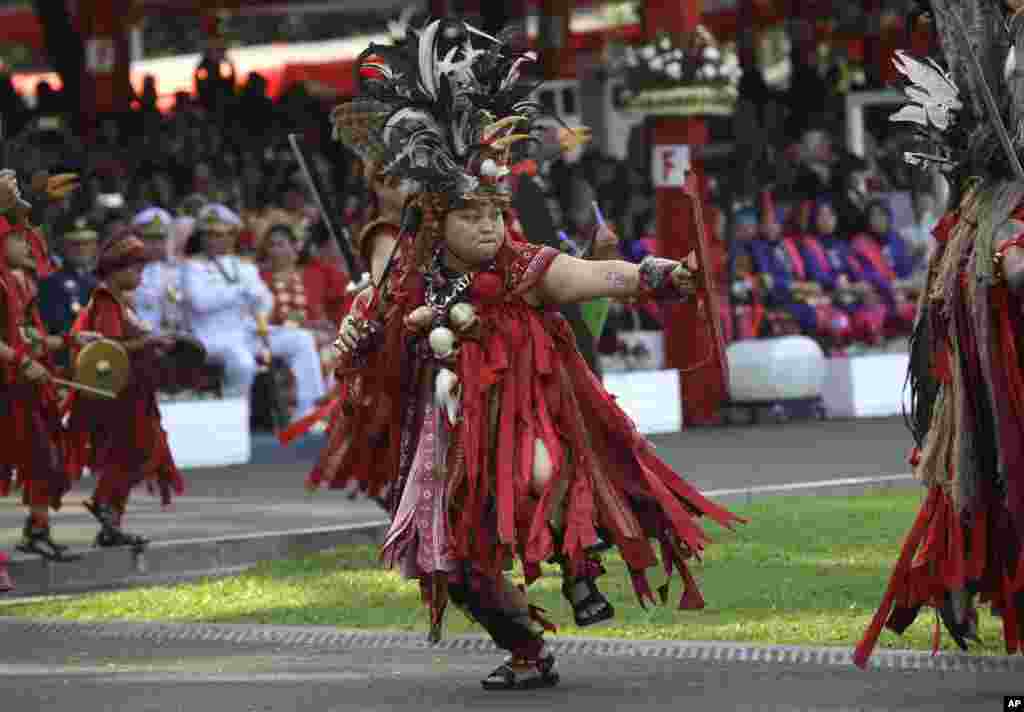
(123, 441)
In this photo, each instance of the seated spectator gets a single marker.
(227, 305)
(158, 296)
(67, 291)
(320, 257)
(300, 298)
(815, 174)
(853, 285)
(796, 303)
(919, 234)
(746, 306)
(851, 199)
(891, 257)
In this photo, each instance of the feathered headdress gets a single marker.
(971, 111)
(442, 108)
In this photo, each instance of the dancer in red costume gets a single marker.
(463, 388)
(122, 440)
(966, 373)
(29, 402)
(29, 412)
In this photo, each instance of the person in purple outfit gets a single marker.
(746, 299)
(795, 304)
(853, 284)
(893, 260)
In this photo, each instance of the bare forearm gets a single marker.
(621, 278)
(382, 246)
(570, 280)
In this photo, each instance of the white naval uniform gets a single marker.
(221, 314)
(152, 297)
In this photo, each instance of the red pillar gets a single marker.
(688, 337)
(553, 35)
(106, 86)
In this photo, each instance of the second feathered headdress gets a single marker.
(950, 104)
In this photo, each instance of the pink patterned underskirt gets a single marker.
(417, 540)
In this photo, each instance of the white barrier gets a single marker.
(651, 398)
(208, 433)
(868, 386)
(784, 368)
(865, 386)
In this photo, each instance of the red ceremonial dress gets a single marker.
(461, 490)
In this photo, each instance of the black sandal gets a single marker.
(521, 674)
(591, 609)
(37, 540)
(110, 538)
(110, 535)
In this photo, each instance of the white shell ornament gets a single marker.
(419, 318)
(489, 168)
(442, 342)
(463, 316)
(447, 394)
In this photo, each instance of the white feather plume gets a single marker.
(932, 92)
(428, 59)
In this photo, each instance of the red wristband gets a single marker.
(69, 340)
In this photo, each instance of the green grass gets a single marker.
(805, 570)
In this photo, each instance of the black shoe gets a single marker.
(590, 606)
(112, 537)
(110, 534)
(37, 540)
(520, 674)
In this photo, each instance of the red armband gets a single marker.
(69, 340)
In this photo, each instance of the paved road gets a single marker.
(712, 458)
(268, 495)
(56, 672)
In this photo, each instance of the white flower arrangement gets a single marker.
(696, 76)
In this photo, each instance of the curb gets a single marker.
(183, 559)
(328, 638)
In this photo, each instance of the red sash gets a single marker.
(818, 251)
(790, 246)
(868, 248)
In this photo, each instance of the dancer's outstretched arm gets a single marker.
(571, 280)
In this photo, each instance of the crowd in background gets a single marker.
(821, 242)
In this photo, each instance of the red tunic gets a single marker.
(123, 439)
(523, 380)
(30, 414)
(326, 286)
